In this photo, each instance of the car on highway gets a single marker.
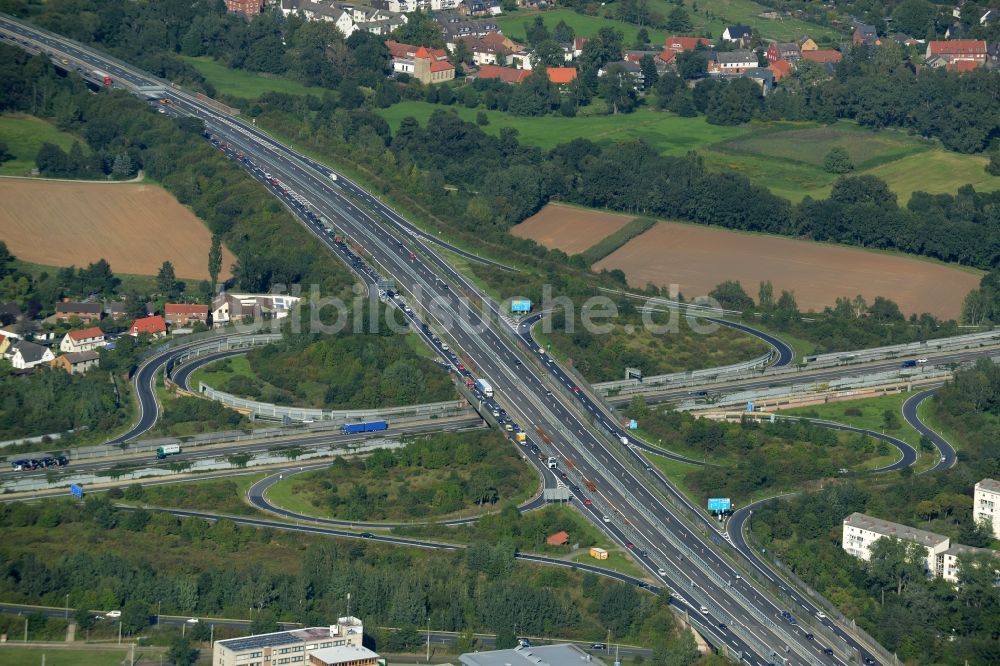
(588, 502)
(703, 610)
(607, 519)
(820, 615)
(809, 637)
(367, 535)
(598, 646)
(661, 571)
(192, 620)
(828, 651)
(630, 545)
(114, 614)
(576, 389)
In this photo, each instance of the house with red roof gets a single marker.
(950, 52)
(823, 56)
(780, 69)
(680, 44)
(185, 314)
(83, 340)
(154, 326)
(505, 74)
(561, 76)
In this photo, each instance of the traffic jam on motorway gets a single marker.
(321, 226)
(317, 224)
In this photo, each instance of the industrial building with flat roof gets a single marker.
(562, 654)
(292, 647)
(344, 655)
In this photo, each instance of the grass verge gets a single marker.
(611, 243)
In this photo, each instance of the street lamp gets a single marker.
(67, 608)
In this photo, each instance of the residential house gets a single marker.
(82, 340)
(561, 76)
(85, 312)
(318, 11)
(505, 74)
(480, 8)
(491, 48)
(906, 40)
(245, 7)
(578, 44)
(986, 504)
(154, 326)
(780, 69)
(378, 21)
(823, 56)
(732, 62)
(185, 314)
(631, 69)
(741, 34)
(861, 532)
(455, 27)
(425, 65)
(787, 51)
(864, 35)
(681, 44)
(228, 307)
(77, 363)
(955, 51)
(523, 59)
(5, 342)
(25, 355)
(762, 76)
(808, 44)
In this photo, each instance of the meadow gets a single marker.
(24, 135)
(241, 83)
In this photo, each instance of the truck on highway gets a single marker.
(167, 450)
(369, 426)
(333, 176)
(484, 387)
(103, 77)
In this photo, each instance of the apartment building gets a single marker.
(861, 531)
(986, 504)
(294, 647)
(946, 563)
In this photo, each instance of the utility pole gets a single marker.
(119, 632)
(67, 608)
(348, 604)
(25, 630)
(158, 614)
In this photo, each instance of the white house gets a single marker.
(947, 564)
(861, 532)
(26, 355)
(82, 340)
(986, 504)
(228, 307)
(318, 11)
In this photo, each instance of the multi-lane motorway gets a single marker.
(623, 495)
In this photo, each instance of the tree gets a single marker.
(482, 119)
(838, 160)
(52, 160)
(536, 32)
(135, 616)
(992, 168)
(506, 638)
(617, 87)
(534, 97)
(730, 295)
(563, 33)
(678, 20)
(5, 154)
(166, 280)
(181, 653)
(914, 17)
(215, 260)
(97, 278)
(649, 74)
(765, 295)
(691, 64)
(123, 166)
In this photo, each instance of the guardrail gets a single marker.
(267, 410)
(217, 344)
(968, 341)
(637, 385)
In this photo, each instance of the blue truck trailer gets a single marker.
(370, 426)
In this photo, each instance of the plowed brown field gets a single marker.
(697, 258)
(569, 229)
(134, 227)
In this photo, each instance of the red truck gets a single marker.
(103, 78)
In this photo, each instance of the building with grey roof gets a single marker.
(562, 654)
(947, 564)
(344, 655)
(861, 532)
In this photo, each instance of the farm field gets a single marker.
(249, 85)
(569, 229)
(135, 227)
(697, 258)
(668, 133)
(24, 135)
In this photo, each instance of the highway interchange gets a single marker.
(632, 501)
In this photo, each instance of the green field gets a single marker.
(789, 161)
(240, 83)
(617, 560)
(723, 13)
(216, 374)
(33, 656)
(670, 134)
(870, 417)
(24, 135)
(222, 495)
